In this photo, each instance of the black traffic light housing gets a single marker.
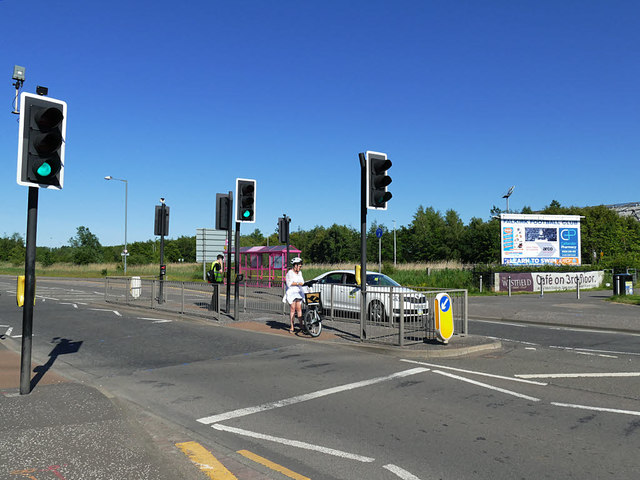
(377, 180)
(41, 141)
(245, 204)
(161, 223)
(223, 211)
(283, 230)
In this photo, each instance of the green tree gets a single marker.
(86, 247)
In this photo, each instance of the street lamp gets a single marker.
(507, 195)
(126, 193)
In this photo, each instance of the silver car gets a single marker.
(339, 290)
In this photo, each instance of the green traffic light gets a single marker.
(44, 170)
(246, 213)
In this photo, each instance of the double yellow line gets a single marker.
(215, 470)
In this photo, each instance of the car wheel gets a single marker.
(376, 311)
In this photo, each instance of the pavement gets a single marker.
(69, 430)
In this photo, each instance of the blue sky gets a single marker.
(180, 98)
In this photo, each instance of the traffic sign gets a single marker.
(443, 317)
(379, 232)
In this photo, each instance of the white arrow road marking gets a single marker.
(308, 396)
(400, 472)
(74, 305)
(598, 409)
(294, 443)
(155, 320)
(491, 387)
(106, 310)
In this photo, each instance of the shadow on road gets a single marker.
(63, 347)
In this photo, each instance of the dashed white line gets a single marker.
(598, 409)
(294, 443)
(308, 396)
(74, 305)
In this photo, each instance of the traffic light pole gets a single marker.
(363, 242)
(229, 238)
(163, 270)
(236, 285)
(30, 291)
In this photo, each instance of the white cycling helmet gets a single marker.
(296, 260)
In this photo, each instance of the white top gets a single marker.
(294, 292)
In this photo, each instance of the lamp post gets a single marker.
(126, 194)
(507, 195)
(394, 243)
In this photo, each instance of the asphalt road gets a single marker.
(540, 408)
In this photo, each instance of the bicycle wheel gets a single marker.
(312, 322)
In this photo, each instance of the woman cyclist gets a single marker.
(295, 291)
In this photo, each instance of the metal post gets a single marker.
(465, 320)
(577, 287)
(401, 327)
(380, 255)
(229, 238)
(126, 199)
(182, 297)
(236, 287)
(162, 232)
(509, 279)
(29, 291)
(480, 283)
(541, 289)
(394, 243)
(363, 241)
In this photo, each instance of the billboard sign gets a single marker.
(539, 239)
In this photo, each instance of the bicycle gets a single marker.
(312, 320)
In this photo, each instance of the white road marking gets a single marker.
(491, 387)
(596, 354)
(580, 375)
(294, 443)
(598, 409)
(9, 331)
(307, 396)
(400, 472)
(433, 365)
(155, 320)
(612, 352)
(514, 341)
(519, 325)
(74, 305)
(106, 310)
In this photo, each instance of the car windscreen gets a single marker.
(381, 280)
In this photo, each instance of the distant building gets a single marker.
(627, 209)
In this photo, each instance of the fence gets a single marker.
(191, 298)
(394, 315)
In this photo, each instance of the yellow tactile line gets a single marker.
(205, 461)
(272, 466)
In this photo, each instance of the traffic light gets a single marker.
(245, 203)
(41, 141)
(161, 223)
(223, 222)
(378, 180)
(283, 229)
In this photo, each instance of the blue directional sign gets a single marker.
(379, 232)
